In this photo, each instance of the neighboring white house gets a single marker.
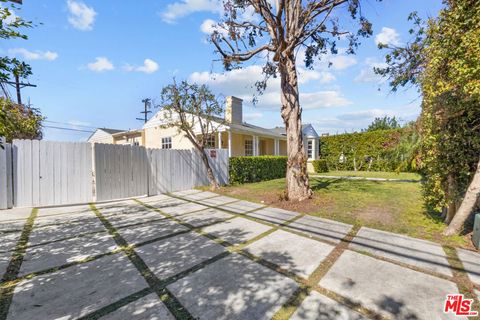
(114, 136)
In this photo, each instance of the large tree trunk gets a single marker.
(211, 177)
(451, 209)
(297, 177)
(467, 206)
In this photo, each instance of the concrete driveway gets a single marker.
(198, 255)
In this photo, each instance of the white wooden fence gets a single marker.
(6, 190)
(174, 170)
(51, 173)
(120, 171)
(42, 173)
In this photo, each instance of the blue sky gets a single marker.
(94, 61)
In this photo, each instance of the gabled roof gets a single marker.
(111, 131)
(307, 130)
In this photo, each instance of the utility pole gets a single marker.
(18, 85)
(147, 104)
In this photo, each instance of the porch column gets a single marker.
(254, 142)
(314, 149)
(229, 144)
(276, 147)
(219, 140)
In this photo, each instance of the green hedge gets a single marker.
(381, 150)
(320, 165)
(255, 169)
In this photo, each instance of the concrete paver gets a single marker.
(215, 201)
(173, 255)
(237, 230)
(233, 288)
(122, 220)
(200, 195)
(76, 210)
(387, 288)
(318, 307)
(149, 307)
(240, 206)
(290, 251)
(41, 234)
(417, 252)
(183, 208)
(76, 291)
(273, 215)
(8, 243)
(205, 217)
(471, 264)
(53, 216)
(149, 231)
(186, 192)
(58, 253)
(321, 228)
(14, 214)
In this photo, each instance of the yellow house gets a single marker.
(239, 137)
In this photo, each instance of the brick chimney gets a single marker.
(234, 110)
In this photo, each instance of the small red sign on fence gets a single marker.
(213, 153)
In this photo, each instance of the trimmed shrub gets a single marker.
(255, 169)
(320, 165)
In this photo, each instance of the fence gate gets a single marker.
(121, 171)
(51, 173)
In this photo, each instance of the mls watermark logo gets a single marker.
(459, 306)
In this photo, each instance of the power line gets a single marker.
(68, 129)
(70, 124)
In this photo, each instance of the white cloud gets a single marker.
(33, 55)
(183, 8)
(341, 61)
(306, 75)
(101, 64)
(81, 16)
(253, 116)
(329, 61)
(149, 66)
(208, 26)
(368, 114)
(240, 83)
(368, 75)
(387, 36)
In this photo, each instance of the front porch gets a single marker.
(245, 144)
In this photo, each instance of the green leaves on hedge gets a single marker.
(380, 150)
(255, 169)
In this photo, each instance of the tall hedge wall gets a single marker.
(381, 150)
(254, 169)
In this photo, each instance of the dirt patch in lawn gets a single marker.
(375, 214)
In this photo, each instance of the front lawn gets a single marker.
(389, 206)
(374, 174)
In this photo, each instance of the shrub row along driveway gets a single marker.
(196, 254)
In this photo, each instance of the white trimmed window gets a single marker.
(249, 148)
(210, 143)
(167, 143)
(310, 149)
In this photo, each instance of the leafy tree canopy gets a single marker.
(19, 121)
(385, 123)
